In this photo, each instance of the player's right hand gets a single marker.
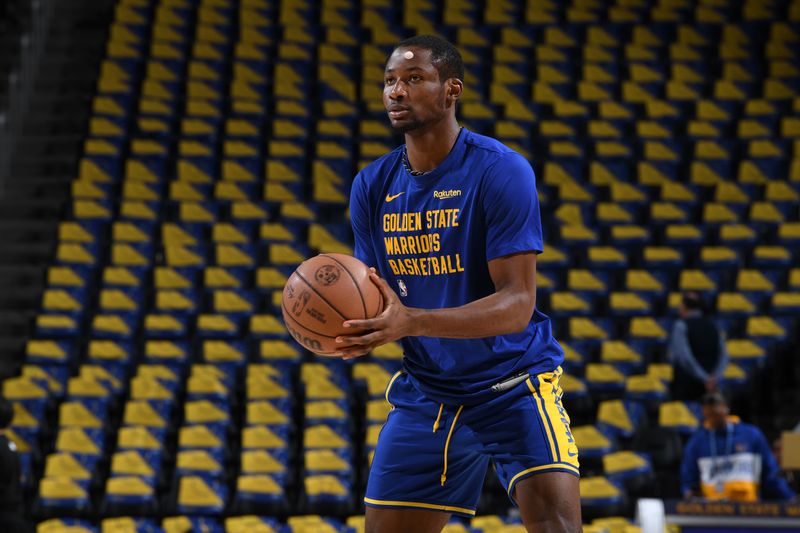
(395, 322)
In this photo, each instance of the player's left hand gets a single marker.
(395, 322)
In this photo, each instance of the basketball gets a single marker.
(321, 294)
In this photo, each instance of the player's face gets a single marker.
(413, 95)
(716, 415)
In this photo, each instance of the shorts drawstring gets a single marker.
(447, 442)
(438, 417)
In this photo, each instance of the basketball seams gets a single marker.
(328, 271)
(355, 283)
(381, 304)
(321, 297)
(288, 314)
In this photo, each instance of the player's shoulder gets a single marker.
(488, 147)
(747, 429)
(490, 153)
(378, 169)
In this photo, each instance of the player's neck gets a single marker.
(427, 149)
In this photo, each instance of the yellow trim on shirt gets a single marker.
(542, 467)
(433, 506)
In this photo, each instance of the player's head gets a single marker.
(715, 409)
(692, 302)
(423, 80)
(6, 413)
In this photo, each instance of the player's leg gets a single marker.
(535, 454)
(549, 502)
(404, 520)
(426, 465)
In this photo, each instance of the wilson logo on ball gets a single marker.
(312, 344)
(300, 304)
(328, 275)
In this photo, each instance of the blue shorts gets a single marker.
(433, 456)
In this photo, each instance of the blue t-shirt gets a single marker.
(431, 237)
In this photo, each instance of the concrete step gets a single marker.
(21, 275)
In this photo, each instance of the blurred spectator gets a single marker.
(729, 460)
(11, 506)
(697, 351)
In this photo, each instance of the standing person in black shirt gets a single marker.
(11, 504)
(697, 351)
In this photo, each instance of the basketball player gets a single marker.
(450, 221)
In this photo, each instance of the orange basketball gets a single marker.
(321, 294)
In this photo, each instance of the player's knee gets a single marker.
(555, 523)
(571, 523)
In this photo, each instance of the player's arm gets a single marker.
(507, 310)
(690, 472)
(359, 220)
(513, 238)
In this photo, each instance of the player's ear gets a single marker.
(454, 88)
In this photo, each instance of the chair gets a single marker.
(209, 438)
(734, 305)
(146, 440)
(631, 470)
(129, 494)
(628, 304)
(328, 494)
(601, 497)
(592, 445)
(770, 257)
(785, 303)
(178, 524)
(56, 495)
(206, 463)
(621, 419)
(606, 257)
(272, 462)
(605, 379)
(326, 411)
(244, 524)
(746, 352)
(679, 416)
(767, 329)
(127, 523)
(648, 389)
(70, 525)
(585, 329)
(621, 355)
(568, 304)
(200, 496)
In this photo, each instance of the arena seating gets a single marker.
(159, 387)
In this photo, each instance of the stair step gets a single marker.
(28, 231)
(21, 298)
(38, 190)
(33, 251)
(21, 274)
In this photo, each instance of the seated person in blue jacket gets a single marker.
(729, 460)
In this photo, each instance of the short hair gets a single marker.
(714, 398)
(693, 301)
(6, 413)
(444, 56)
